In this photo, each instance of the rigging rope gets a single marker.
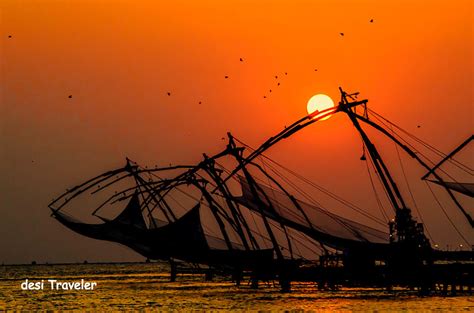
(290, 248)
(320, 188)
(427, 145)
(385, 121)
(410, 191)
(379, 202)
(446, 214)
(372, 163)
(416, 150)
(337, 219)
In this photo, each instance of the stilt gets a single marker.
(209, 275)
(254, 281)
(285, 282)
(237, 276)
(285, 285)
(174, 271)
(320, 285)
(453, 289)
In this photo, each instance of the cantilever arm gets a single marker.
(288, 131)
(422, 163)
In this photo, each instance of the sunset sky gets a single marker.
(119, 59)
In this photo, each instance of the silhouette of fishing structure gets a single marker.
(236, 212)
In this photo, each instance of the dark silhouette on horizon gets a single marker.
(400, 255)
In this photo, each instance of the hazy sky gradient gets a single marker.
(118, 59)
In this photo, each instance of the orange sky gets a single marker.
(118, 59)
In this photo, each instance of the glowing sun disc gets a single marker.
(319, 103)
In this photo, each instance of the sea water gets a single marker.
(146, 286)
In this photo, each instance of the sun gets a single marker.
(319, 103)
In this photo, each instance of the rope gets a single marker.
(351, 228)
(446, 214)
(410, 191)
(416, 150)
(427, 145)
(320, 188)
(379, 202)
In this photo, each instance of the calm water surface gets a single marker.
(147, 286)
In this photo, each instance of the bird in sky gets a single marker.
(168, 93)
(226, 77)
(342, 34)
(372, 20)
(70, 96)
(241, 60)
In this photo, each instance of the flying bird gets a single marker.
(342, 34)
(418, 126)
(241, 60)
(372, 20)
(264, 97)
(226, 77)
(168, 93)
(278, 84)
(315, 69)
(286, 73)
(9, 36)
(199, 102)
(270, 90)
(276, 76)
(70, 96)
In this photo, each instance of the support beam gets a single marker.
(450, 155)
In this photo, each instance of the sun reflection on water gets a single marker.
(147, 286)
